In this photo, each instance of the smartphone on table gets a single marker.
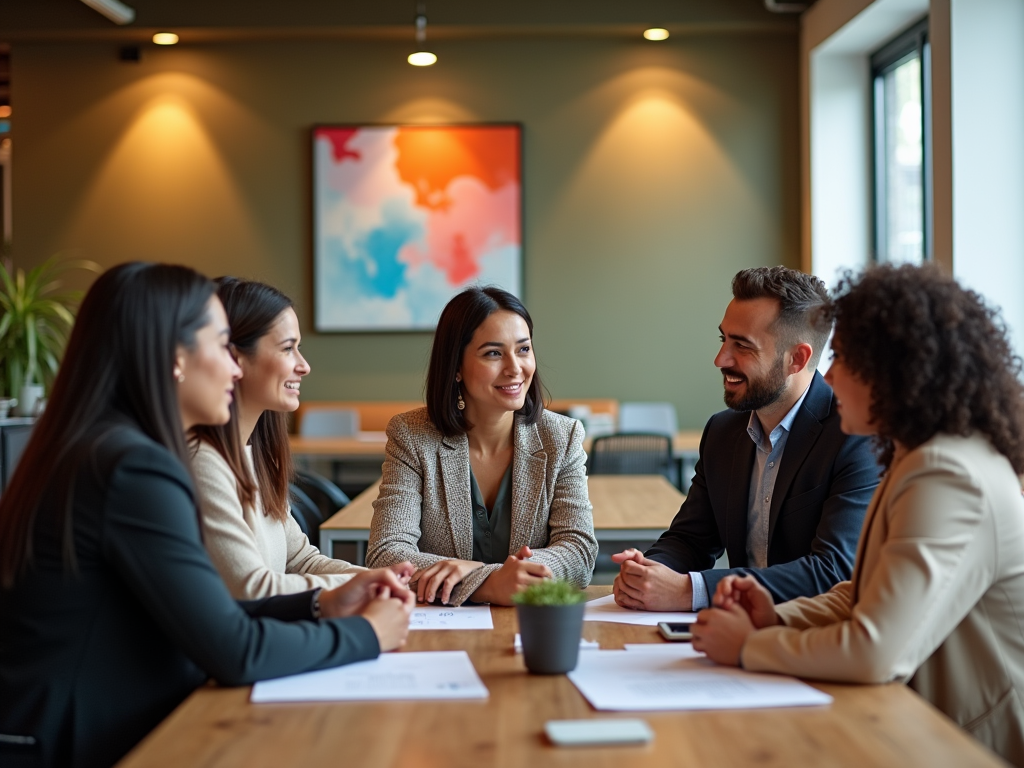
(675, 631)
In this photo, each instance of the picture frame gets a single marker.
(406, 216)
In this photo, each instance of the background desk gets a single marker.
(879, 726)
(626, 508)
(370, 445)
(356, 460)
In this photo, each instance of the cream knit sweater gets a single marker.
(257, 556)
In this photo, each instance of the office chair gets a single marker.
(306, 512)
(329, 422)
(656, 418)
(634, 453)
(328, 497)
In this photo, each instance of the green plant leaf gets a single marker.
(550, 592)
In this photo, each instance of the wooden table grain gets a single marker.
(878, 726)
(626, 508)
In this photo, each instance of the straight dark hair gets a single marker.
(252, 310)
(804, 305)
(120, 357)
(458, 322)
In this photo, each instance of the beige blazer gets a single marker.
(936, 598)
(424, 512)
(256, 555)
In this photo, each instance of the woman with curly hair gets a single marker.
(937, 590)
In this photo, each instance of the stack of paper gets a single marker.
(671, 677)
(392, 676)
(606, 609)
(449, 617)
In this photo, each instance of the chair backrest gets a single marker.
(328, 497)
(330, 422)
(631, 454)
(658, 418)
(305, 512)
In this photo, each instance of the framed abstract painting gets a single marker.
(405, 217)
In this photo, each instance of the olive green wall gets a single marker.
(652, 173)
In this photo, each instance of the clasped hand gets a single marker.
(381, 596)
(516, 573)
(646, 585)
(741, 605)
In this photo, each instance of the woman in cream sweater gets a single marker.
(938, 583)
(243, 468)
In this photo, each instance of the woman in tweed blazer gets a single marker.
(484, 459)
(938, 584)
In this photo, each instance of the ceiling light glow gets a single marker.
(165, 38)
(656, 33)
(422, 59)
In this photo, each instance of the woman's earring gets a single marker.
(181, 377)
(462, 403)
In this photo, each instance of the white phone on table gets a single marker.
(586, 733)
(675, 630)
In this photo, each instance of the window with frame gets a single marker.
(901, 74)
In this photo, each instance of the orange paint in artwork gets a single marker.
(429, 158)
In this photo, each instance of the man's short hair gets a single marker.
(803, 305)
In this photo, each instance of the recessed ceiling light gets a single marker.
(656, 33)
(165, 38)
(422, 59)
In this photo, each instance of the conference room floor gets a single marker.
(879, 725)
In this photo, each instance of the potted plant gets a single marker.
(550, 617)
(37, 315)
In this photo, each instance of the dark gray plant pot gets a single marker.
(551, 637)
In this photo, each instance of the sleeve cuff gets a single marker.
(700, 591)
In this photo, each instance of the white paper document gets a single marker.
(634, 681)
(606, 609)
(390, 677)
(585, 645)
(679, 650)
(450, 617)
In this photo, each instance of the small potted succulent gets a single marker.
(550, 617)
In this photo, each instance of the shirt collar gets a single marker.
(754, 424)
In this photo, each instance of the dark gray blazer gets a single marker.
(91, 661)
(821, 494)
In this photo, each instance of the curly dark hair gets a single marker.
(936, 357)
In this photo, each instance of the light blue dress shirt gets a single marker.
(767, 460)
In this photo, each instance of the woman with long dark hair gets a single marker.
(937, 589)
(243, 468)
(484, 490)
(110, 610)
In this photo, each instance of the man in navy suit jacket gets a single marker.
(778, 486)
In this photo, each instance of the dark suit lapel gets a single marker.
(802, 437)
(529, 482)
(738, 499)
(457, 493)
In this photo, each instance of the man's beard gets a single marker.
(760, 393)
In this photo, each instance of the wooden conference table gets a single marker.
(879, 726)
(626, 508)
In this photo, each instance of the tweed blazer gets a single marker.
(935, 598)
(424, 512)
